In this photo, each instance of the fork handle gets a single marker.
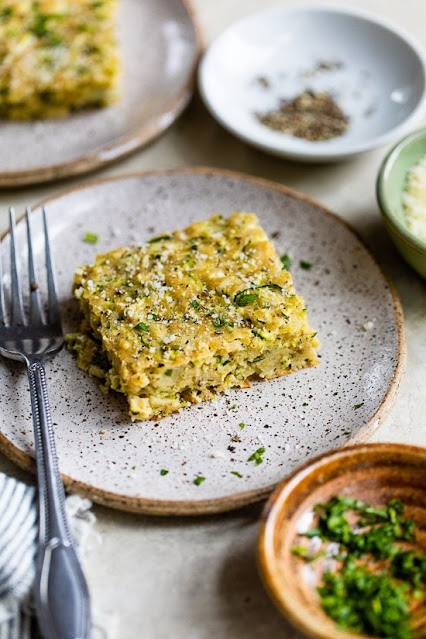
(60, 590)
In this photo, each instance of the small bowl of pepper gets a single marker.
(314, 83)
(342, 546)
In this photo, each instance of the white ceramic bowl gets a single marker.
(375, 71)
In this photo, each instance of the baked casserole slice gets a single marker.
(189, 315)
(56, 56)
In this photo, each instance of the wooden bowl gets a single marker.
(373, 473)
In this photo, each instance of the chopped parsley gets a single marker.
(6, 12)
(219, 322)
(358, 405)
(236, 473)
(242, 425)
(376, 576)
(257, 456)
(91, 238)
(366, 602)
(305, 265)
(160, 238)
(248, 295)
(199, 480)
(244, 298)
(54, 40)
(39, 27)
(142, 327)
(286, 262)
(195, 304)
(164, 472)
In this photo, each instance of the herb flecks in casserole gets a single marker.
(190, 314)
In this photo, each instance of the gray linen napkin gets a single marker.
(18, 536)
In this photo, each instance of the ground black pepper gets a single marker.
(313, 116)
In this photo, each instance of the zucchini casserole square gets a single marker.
(189, 315)
(56, 56)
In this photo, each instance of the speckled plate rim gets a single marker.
(125, 145)
(267, 567)
(143, 505)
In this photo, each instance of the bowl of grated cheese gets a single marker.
(401, 194)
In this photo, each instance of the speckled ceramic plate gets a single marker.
(160, 46)
(350, 303)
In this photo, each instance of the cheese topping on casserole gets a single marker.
(56, 56)
(190, 314)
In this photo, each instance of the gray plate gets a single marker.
(159, 46)
(294, 417)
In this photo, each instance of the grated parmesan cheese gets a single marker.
(414, 199)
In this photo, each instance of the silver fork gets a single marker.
(60, 590)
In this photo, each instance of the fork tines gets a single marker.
(17, 314)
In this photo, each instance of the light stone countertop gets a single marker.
(197, 578)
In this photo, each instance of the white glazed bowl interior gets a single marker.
(376, 73)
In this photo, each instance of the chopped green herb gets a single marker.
(164, 472)
(410, 567)
(376, 578)
(39, 27)
(199, 480)
(169, 372)
(286, 261)
(305, 265)
(242, 425)
(236, 473)
(159, 238)
(6, 12)
(248, 296)
(244, 298)
(195, 304)
(91, 238)
(142, 327)
(234, 406)
(366, 602)
(257, 456)
(54, 40)
(300, 551)
(219, 322)
(358, 405)
(133, 467)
